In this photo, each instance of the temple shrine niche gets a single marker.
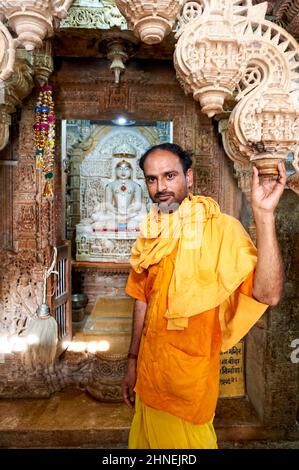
(113, 199)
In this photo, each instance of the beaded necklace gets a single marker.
(44, 137)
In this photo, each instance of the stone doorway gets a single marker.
(97, 99)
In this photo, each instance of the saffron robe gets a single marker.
(178, 370)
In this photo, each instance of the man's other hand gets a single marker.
(128, 384)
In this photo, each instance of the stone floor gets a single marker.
(67, 419)
(72, 419)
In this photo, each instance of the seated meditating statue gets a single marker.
(123, 208)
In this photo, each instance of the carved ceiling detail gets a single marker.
(209, 58)
(252, 58)
(227, 49)
(151, 21)
(32, 20)
(99, 14)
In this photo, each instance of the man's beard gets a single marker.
(165, 206)
(172, 207)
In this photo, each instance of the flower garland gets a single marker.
(44, 137)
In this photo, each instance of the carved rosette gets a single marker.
(32, 19)
(153, 20)
(209, 59)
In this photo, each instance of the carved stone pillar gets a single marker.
(43, 63)
(25, 219)
(5, 121)
(227, 49)
(12, 91)
(293, 180)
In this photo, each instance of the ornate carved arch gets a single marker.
(264, 125)
(227, 49)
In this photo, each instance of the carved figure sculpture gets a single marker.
(26, 295)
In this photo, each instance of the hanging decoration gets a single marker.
(44, 137)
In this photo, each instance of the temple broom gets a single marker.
(42, 332)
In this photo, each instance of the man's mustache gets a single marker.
(157, 195)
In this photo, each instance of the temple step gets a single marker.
(67, 419)
(72, 419)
